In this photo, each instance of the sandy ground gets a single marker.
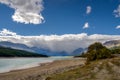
(41, 72)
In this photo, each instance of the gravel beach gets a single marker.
(44, 70)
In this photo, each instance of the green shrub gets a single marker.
(97, 51)
(115, 51)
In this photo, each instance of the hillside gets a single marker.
(16, 46)
(107, 69)
(8, 52)
(112, 43)
(39, 50)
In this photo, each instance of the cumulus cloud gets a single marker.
(26, 11)
(86, 25)
(6, 32)
(88, 9)
(118, 27)
(58, 43)
(117, 12)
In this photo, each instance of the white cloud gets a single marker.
(88, 9)
(26, 11)
(58, 43)
(117, 12)
(118, 27)
(86, 25)
(6, 32)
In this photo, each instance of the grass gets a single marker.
(96, 70)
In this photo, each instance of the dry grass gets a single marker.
(108, 69)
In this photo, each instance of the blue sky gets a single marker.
(59, 25)
(67, 17)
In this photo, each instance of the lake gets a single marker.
(8, 64)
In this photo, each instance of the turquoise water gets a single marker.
(8, 64)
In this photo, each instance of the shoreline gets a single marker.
(28, 65)
(43, 70)
(22, 66)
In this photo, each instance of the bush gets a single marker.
(116, 51)
(97, 51)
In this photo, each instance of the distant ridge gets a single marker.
(112, 43)
(40, 50)
(8, 52)
(16, 46)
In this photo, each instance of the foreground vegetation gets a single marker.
(106, 69)
(97, 51)
(8, 52)
(101, 65)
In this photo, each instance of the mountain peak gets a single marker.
(112, 43)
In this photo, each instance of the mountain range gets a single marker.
(39, 50)
(112, 43)
(9, 52)
(108, 44)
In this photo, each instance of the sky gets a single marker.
(50, 21)
(65, 17)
